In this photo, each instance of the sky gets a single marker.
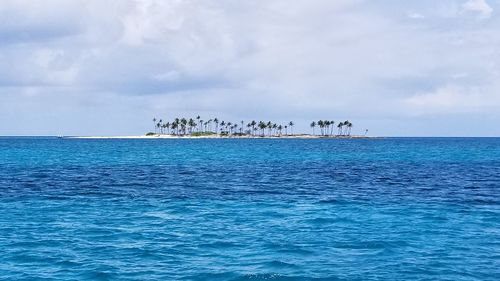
(396, 68)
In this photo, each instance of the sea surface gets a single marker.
(250, 209)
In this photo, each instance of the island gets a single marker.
(187, 128)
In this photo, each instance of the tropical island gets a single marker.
(215, 128)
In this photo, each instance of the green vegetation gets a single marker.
(201, 134)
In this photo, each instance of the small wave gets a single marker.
(218, 245)
(280, 264)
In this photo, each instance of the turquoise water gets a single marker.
(256, 209)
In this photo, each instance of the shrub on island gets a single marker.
(201, 134)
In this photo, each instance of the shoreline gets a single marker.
(217, 137)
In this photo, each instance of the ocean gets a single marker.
(250, 209)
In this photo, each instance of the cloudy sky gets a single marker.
(397, 68)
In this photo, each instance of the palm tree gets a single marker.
(269, 127)
(175, 127)
(332, 123)
(160, 124)
(346, 122)
(216, 121)
(262, 126)
(286, 130)
(191, 125)
(222, 125)
(313, 125)
(349, 126)
(321, 125)
(253, 124)
(209, 125)
(205, 124)
(339, 126)
(280, 127)
(177, 122)
(291, 124)
(154, 123)
(241, 128)
(183, 125)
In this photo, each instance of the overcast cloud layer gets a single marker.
(398, 68)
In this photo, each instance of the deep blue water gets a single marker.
(378, 209)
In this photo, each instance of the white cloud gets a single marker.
(452, 99)
(151, 20)
(479, 6)
(167, 76)
(414, 15)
